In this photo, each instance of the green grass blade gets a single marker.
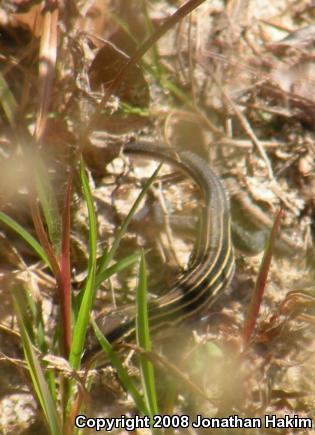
(116, 268)
(143, 340)
(157, 66)
(38, 328)
(124, 25)
(88, 292)
(25, 236)
(126, 222)
(107, 273)
(48, 204)
(38, 379)
(121, 371)
(7, 100)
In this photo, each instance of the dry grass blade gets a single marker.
(47, 62)
(246, 126)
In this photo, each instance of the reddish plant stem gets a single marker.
(258, 294)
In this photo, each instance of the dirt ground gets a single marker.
(233, 82)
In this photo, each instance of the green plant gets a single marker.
(57, 394)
